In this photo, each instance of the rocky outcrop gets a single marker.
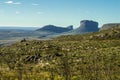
(70, 27)
(86, 26)
(109, 26)
(55, 29)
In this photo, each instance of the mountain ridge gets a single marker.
(55, 29)
(109, 25)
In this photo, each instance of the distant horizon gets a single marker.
(38, 13)
(20, 26)
(47, 24)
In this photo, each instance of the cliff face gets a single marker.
(55, 29)
(86, 26)
(111, 25)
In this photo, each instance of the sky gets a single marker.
(37, 13)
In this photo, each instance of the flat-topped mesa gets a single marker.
(88, 26)
(109, 26)
(55, 29)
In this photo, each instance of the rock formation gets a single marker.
(110, 25)
(55, 29)
(70, 27)
(86, 26)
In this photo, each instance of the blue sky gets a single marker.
(58, 12)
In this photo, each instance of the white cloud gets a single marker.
(11, 2)
(35, 4)
(17, 12)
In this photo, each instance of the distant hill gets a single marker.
(52, 31)
(86, 26)
(55, 29)
(110, 25)
(110, 34)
